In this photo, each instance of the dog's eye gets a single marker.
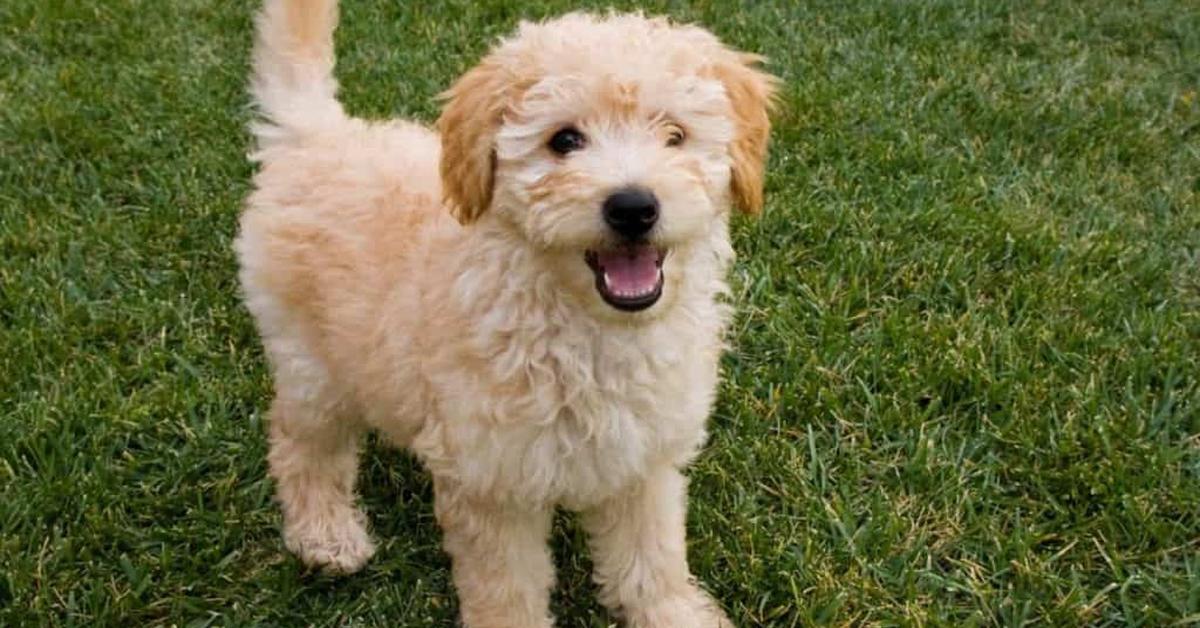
(567, 140)
(675, 135)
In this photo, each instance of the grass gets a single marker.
(965, 389)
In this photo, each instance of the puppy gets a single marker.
(529, 298)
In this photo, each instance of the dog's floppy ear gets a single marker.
(468, 126)
(751, 93)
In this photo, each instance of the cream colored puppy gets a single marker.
(527, 298)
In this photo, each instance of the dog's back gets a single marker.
(342, 208)
(339, 204)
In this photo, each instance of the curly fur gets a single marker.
(430, 285)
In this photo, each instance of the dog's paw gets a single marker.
(336, 547)
(693, 610)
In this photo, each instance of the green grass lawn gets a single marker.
(966, 382)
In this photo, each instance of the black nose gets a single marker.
(631, 211)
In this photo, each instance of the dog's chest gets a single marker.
(571, 425)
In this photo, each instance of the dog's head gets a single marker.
(613, 145)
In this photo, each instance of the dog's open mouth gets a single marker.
(628, 278)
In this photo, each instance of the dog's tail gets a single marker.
(292, 81)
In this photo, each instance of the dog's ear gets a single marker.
(751, 93)
(468, 126)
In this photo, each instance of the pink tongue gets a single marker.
(633, 272)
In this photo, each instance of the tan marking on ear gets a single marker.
(468, 126)
(751, 96)
(474, 110)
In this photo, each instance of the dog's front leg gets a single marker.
(314, 460)
(501, 563)
(640, 555)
